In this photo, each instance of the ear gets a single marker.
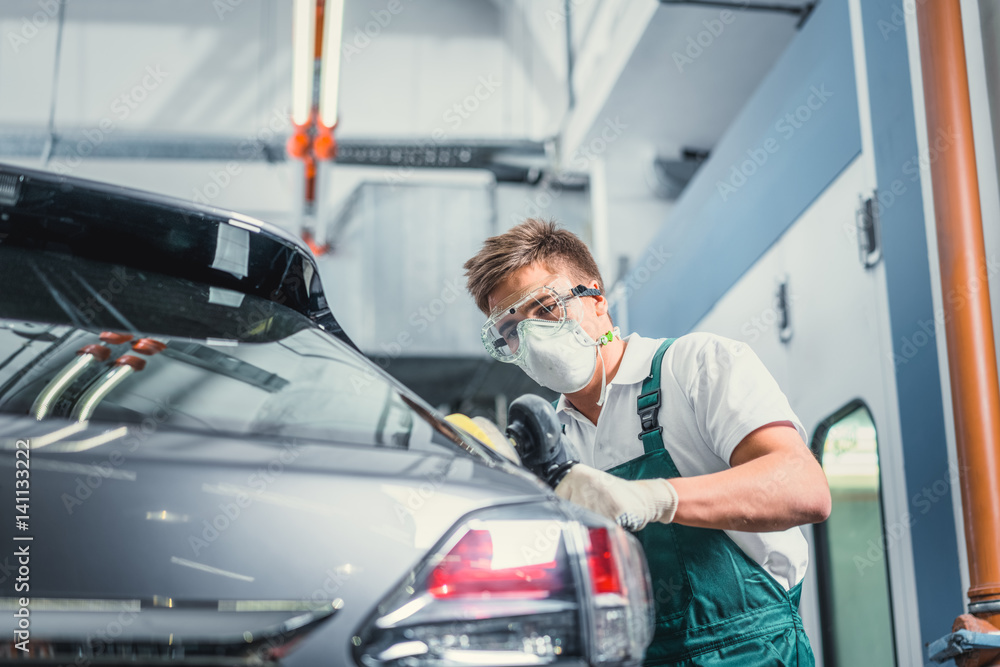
(600, 302)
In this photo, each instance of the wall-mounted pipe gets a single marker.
(968, 320)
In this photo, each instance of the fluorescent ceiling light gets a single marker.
(333, 26)
(303, 59)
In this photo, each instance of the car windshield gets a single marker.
(111, 343)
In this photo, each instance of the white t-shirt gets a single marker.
(714, 391)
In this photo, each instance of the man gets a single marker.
(705, 458)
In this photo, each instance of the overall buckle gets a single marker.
(648, 411)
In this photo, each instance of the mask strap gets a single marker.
(602, 341)
(604, 379)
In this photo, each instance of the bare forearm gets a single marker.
(770, 493)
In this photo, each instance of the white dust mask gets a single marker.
(560, 355)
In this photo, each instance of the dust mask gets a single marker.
(561, 356)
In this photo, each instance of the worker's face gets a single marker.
(593, 309)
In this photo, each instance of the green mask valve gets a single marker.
(608, 337)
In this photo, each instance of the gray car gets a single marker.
(198, 465)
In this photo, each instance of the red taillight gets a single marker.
(468, 571)
(508, 587)
(602, 563)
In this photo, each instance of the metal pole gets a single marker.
(968, 321)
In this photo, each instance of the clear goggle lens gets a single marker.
(556, 300)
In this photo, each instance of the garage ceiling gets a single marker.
(166, 70)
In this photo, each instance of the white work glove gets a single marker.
(631, 504)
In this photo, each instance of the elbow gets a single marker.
(817, 509)
(815, 502)
(810, 503)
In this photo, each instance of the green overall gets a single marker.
(714, 604)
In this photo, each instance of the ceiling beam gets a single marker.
(510, 160)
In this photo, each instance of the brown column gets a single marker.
(968, 322)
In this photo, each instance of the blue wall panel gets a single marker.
(797, 132)
(723, 224)
(928, 479)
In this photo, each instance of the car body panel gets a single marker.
(161, 515)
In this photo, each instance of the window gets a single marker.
(851, 546)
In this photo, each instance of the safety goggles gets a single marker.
(554, 300)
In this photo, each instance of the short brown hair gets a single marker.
(531, 241)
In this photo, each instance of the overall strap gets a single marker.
(648, 403)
